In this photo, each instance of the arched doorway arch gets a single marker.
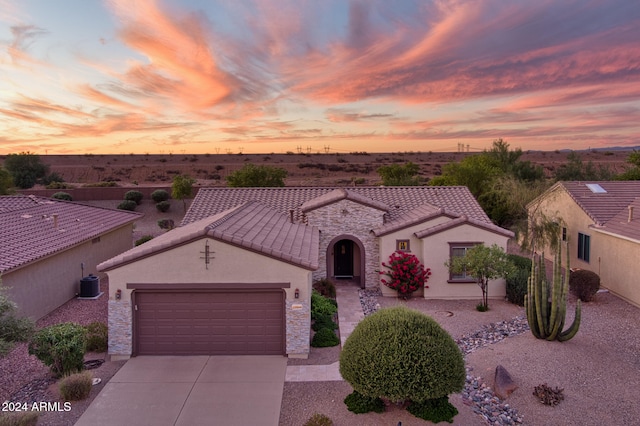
(357, 258)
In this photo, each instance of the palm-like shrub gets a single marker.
(401, 354)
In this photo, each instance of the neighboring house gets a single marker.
(46, 245)
(243, 255)
(602, 226)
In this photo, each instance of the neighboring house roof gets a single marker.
(397, 200)
(252, 226)
(32, 228)
(626, 223)
(602, 206)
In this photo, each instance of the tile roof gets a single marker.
(338, 195)
(413, 217)
(33, 227)
(251, 225)
(462, 220)
(399, 200)
(626, 223)
(602, 207)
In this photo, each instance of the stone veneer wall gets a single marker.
(348, 218)
(120, 328)
(298, 328)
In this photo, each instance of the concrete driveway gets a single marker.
(191, 390)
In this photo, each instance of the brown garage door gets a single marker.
(210, 323)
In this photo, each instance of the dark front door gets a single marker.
(343, 257)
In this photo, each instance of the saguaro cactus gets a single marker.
(546, 318)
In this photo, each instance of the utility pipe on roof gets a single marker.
(630, 214)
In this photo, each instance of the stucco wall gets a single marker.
(229, 264)
(560, 204)
(617, 265)
(388, 246)
(346, 217)
(43, 286)
(435, 251)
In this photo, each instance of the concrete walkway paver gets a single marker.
(349, 315)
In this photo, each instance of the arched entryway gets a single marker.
(346, 259)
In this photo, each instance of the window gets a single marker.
(584, 246)
(460, 250)
(402, 245)
(564, 234)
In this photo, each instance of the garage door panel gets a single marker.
(210, 323)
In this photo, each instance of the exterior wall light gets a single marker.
(296, 294)
(118, 294)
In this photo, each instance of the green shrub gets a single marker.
(481, 307)
(324, 321)
(12, 328)
(97, 337)
(321, 305)
(166, 223)
(319, 420)
(359, 404)
(584, 284)
(324, 338)
(135, 196)
(159, 195)
(143, 240)
(163, 206)
(127, 205)
(402, 354)
(325, 287)
(29, 418)
(58, 185)
(107, 184)
(517, 286)
(76, 387)
(61, 347)
(520, 262)
(62, 196)
(434, 410)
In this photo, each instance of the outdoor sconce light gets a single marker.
(296, 294)
(118, 294)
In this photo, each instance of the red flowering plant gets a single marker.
(406, 273)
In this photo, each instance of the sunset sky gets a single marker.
(207, 76)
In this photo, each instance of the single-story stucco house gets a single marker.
(601, 223)
(236, 276)
(47, 246)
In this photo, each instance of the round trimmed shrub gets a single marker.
(135, 196)
(584, 284)
(359, 404)
(163, 206)
(159, 195)
(324, 338)
(324, 321)
(62, 196)
(399, 354)
(61, 347)
(127, 205)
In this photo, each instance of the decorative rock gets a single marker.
(504, 384)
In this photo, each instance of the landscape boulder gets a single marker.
(504, 384)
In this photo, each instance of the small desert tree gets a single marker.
(484, 264)
(6, 182)
(25, 168)
(181, 188)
